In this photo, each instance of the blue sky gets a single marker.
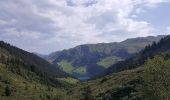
(45, 26)
(158, 17)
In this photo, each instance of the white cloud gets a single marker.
(167, 31)
(59, 24)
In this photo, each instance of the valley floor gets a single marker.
(99, 89)
(118, 86)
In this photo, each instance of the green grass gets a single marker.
(108, 61)
(80, 70)
(69, 80)
(69, 68)
(66, 66)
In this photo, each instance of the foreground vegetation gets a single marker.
(15, 87)
(148, 82)
(26, 76)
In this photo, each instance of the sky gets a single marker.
(45, 26)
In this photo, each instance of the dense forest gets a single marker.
(27, 76)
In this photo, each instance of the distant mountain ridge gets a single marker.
(163, 46)
(127, 79)
(92, 59)
(40, 55)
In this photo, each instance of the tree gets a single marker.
(7, 91)
(87, 93)
(32, 68)
(156, 79)
(2, 58)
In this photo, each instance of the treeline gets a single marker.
(149, 52)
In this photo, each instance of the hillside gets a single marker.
(146, 77)
(14, 53)
(117, 86)
(147, 82)
(27, 76)
(92, 59)
(149, 52)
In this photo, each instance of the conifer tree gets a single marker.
(7, 91)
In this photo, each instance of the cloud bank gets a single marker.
(48, 25)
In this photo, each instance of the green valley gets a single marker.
(22, 77)
(84, 50)
(68, 68)
(108, 61)
(90, 60)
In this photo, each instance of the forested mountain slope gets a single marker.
(92, 59)
(21, 56)
(149, 52)
(146, 77)
(27, 76)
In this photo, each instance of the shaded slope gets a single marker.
(96, 58)
(149, 52)
(30, 59)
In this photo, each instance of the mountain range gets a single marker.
(136, 77)
(90, 60)
(145, 76)
(149, 51)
